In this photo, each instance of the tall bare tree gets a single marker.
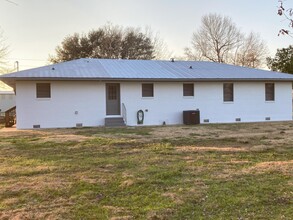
(3, 53)
(219, 40)
(252, 52)
(216, 38)
(161, 51)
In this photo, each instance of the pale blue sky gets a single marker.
(34, 28)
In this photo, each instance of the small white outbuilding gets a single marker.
(7, 101)
(95, 92)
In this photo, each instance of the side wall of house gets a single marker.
(84, 102)
(70, 103)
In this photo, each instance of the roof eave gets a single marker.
(11, 80)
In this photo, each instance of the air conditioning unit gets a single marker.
(191, 117)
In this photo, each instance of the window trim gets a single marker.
(224, 91)
(273, 92)
(143, 91)
(47, 95)
(184, 89)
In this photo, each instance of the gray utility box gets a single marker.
(191, 117)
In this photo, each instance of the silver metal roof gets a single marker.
(114, 69)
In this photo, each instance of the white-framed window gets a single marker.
(228, 92)
(147, 90)
(43, 90)
(188, 89)
(270, 91)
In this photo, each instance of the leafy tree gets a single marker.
(283, 60)
(136, 45)
(108, 42)
(219, 40)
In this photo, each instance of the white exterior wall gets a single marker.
(168, 102)
(167, 105)
(87, 98)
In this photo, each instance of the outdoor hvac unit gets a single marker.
(191, 117)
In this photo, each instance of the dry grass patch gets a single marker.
(285, 167)
(55, 210)
(196, 148)
(65, 138)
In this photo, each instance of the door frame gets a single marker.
(116, 95)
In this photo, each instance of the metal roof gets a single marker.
(115, 69)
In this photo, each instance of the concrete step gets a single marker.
(114, 122)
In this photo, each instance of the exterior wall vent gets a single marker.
(237, 119)
(78, 125)
(206, 120)
(268, 118)
(36, 126)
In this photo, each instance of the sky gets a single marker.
(33, 28)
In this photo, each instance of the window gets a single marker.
(147, 90)
(43, 90)
(228, 92)
(188, 89)
(270, 92)
(112, 92)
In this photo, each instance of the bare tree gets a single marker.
(216, 38)
(111, 42)
(161, 51)
(219, 40)
(192, 54)
(3, 54)
(252, 52)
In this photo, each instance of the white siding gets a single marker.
(168, 102)
(88, 98)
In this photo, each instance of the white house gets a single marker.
(92, 92)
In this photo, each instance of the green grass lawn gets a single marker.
(237, 171)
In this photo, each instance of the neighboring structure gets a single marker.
(92, 92)
(7, 101)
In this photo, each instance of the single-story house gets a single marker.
(95, 92)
